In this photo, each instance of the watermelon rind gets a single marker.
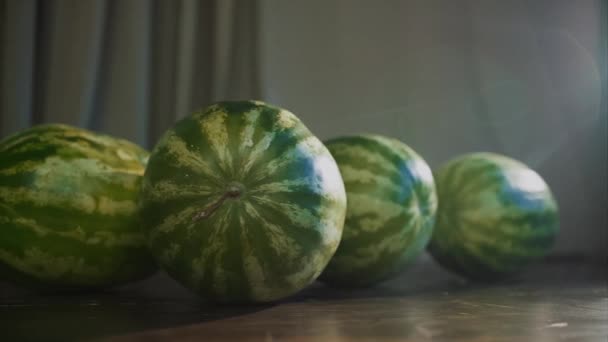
(68, 209)
(242, 203)
(496, 216)
(390, 213)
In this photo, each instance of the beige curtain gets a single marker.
(127, 68)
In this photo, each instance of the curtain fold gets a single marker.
(18, 27)
(522, 78)
(126, 68)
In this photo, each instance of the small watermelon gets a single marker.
(242, 203)
(68, 209)
(390, 213)
(495, 216)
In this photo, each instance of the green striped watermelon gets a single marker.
(390, 213)
(242, 203)
(68, 209)
(495, 216)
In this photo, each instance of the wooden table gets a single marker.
(559, 300)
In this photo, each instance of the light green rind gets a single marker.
(68, 209)
(495, 216)
(391, 209)
(271, 240)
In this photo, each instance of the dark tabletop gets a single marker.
(565, 300)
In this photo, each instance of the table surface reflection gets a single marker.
(558, 300)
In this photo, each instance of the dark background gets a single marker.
(522, 78)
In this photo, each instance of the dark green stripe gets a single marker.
(237, 107)
(237, 284)
(39, 147)
(305, 236)
(385, 266)
(403, 181)
(63, 218)
(373, 146)
(235, 124)
(85, 140)
(495, 229)
(461, 262)
(218, 259)
(301, 166)
(473, 265)
(196, 141)
(22, 178)
(505, 262)
(501, 243)
(306, 196)
(397, 194)
(164, 167)
(473, 178)
(275, 264)
(89, 184)
(363, 142)
(192, 238)
(115, 264)
(472, 190)
(159, 211)
(32, 132)
(283, 146)
(9, 160)
(393, 227)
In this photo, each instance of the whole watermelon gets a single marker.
(68, 209)
(391, 209)
(495, 216)
(242, 203)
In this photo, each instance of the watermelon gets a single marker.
(390, 213)
(495, 216)
(241, 203)
(68, 209)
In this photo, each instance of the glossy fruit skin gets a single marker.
(242, 203)
(68, 209)
(390, 213)
(496, 215)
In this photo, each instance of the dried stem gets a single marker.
(232, 192)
